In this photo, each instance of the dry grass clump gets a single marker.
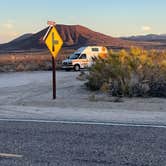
(30, 61)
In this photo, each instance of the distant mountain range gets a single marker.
(74, 36)
(148, 38)
(150, 41)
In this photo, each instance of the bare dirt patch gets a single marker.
(28, 95)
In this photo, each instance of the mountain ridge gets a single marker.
(148, 37)
(73, 36)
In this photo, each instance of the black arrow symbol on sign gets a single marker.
(54, 42)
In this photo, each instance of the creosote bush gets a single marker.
(135, 72)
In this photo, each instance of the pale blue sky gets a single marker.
(112, 17)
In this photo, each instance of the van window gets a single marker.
(74, 56)
(83, 56)
(95, 49)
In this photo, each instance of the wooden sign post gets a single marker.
(54, 43)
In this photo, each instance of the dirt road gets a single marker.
(29, 96)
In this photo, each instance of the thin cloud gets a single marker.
(8, 36)
(12, 34)
(146, 28)
(9, 24)
(8, 31)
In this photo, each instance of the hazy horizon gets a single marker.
(115, 18)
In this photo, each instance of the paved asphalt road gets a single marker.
(54, 144)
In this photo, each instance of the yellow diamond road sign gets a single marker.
(53, 41)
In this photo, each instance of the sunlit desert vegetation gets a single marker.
(130, 73)
(30, 61)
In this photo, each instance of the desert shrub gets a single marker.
(30, 61)
(20, 67)
(130, 73)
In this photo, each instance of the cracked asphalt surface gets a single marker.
(55, 144)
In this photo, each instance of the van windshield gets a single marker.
(74, 56)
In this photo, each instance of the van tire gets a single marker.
(77, 67)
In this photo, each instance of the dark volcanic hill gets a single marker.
(73, 36)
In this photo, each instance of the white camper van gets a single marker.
(84, 57)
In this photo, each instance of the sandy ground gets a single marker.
(29, 96)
